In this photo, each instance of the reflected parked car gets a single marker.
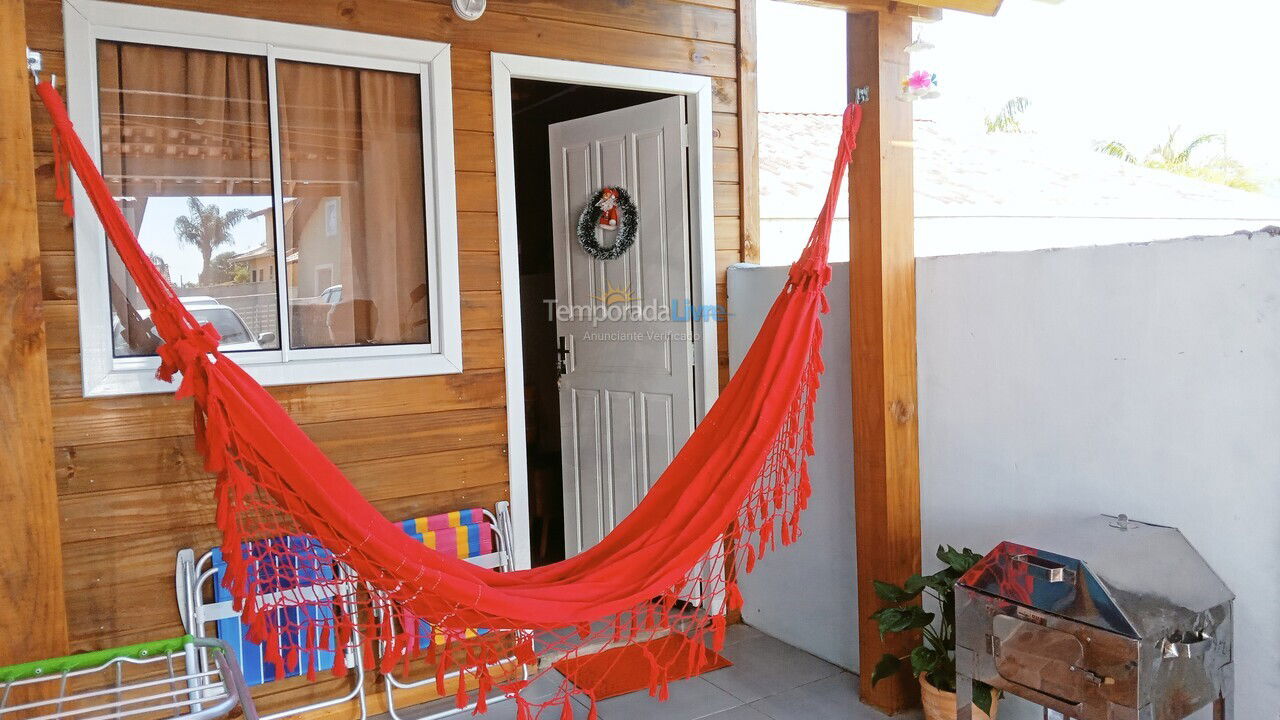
(331, 295)
(236, 335)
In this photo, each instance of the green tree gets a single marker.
(223, 270)
(1008, 119)
(1180, 158)
(207, 228)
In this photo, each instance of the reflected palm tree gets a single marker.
(207, 227)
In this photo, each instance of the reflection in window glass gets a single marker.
(354, 225)
(186, 150)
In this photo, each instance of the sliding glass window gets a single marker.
(298, 198)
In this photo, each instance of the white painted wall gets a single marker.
(1142, 379)
(803, 593)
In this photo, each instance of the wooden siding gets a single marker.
(131, 489)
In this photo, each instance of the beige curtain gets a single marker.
(176, 120)
(178, 123)
(351, 150)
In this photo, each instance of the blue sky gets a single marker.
(1093, 69)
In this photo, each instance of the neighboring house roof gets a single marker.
(980, 192)
(261, 251)
(290, 204)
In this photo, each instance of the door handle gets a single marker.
(562, 356)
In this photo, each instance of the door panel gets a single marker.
(587, 456)
(637, 373)
(660, 436)
(624, 488)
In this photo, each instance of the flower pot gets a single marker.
(941, 705)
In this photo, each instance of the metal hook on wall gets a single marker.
(862, 95)
(35, 63)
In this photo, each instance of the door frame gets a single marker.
(697, 92)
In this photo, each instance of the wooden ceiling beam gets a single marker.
(916, 11)
(926, 10)
(977, 7)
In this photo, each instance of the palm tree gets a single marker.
(1006, 121)
(208, 228)
(160, 264)
(1175, 157)
(1116, 149)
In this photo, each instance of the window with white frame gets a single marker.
(295, 185)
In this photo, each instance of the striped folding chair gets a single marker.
(478, 536)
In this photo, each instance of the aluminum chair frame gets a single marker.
(500, 559)
(194, 575)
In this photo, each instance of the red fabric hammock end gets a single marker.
(625, 669)
(296, 532)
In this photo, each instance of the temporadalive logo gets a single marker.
(613, 295)
(621, 304)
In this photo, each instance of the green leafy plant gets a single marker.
(1009, 119)
(934, 657)
(1181, 158)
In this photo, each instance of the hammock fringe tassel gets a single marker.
(297, 533)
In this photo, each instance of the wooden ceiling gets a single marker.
(921, 9)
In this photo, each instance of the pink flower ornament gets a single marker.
(920, 80)
(919, 84)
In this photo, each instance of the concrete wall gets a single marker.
(1138, 379)
(804, 593)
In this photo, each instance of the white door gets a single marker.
(626, 392)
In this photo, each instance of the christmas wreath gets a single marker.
(609, 209)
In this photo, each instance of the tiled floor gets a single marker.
(768, 679)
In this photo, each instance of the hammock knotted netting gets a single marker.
(733, 492)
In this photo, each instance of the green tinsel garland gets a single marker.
(589, 220)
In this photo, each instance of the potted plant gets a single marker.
(934, 660)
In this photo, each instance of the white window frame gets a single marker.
(88, 21)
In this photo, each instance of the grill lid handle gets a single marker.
(1122, 522)
(1046, 569)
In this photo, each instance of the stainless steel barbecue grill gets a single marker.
(1104, 619)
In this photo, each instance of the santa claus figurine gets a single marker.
(608, 204)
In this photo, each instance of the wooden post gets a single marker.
(748, 131)
(33, 621)
(883, 323)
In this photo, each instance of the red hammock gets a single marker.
(735, 489)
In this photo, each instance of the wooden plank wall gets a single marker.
(131, 488)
